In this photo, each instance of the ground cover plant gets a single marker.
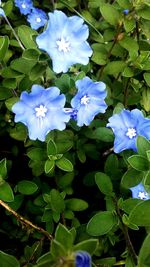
(75, 133)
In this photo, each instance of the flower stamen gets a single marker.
(131, 133)
(85, 100)
(63, 45)
(23, 5)
(142, 195)
(40, 111)
(38, 20)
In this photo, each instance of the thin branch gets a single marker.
(16, 36)
(100, 72)
(126, 234)
(24, 221)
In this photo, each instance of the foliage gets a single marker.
(68, 194)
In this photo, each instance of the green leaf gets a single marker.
(65, 180)
(144, 13)
(76, 204)
(3, 169)
(6, 193)
(26, 34)
(129, 204)
(147, 78)
(11, 84)
(63, 147)
(115, 67)
(111, 165)
(37, 153)
(26, 187)
(139, 162)
(10, 73)
(147, 181)
(63, 236)
(7, 260)
(130, 44)
(95, 3)
(87, 245)
(124, 4)
(57, 249)
(51, 148)
(144, 254)
(57, 201)
(140, 215)
(45, 260)
(110, 14)
(4, 43)
(31, 54)
(129, 24)
(103, 134)
(37, 71)
(131, 178)
(104, 183)
(142, 145)
(19, 132)
(49, 166)
(101, 223)
(148, 155)
(22, 65)
(64, 164)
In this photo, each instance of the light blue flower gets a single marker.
(37, 18)
(138, 191)
(24, 6)
(2, 13)
(89, 100)
(41, 111)
(127, 125)
(82, 259)
(65, 41)
(126, 11)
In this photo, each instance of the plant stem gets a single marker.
(24, 221)
(126, 234)
(100, 72)
(16, 36)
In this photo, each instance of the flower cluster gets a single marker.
(139, 191)
(43, 110)
(35, 16)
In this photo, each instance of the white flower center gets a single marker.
(41, 111)
(63, 45)
(131, 133)
(142, 195)
(85, 100)
(23, 5)
(38, 20)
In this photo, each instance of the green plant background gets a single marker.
(73, 187)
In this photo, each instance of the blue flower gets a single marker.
(126, 11)
(65, 41)
(82, 259)
(138, 191)
(89, 100)
(127, 125)
(2, 13)
(37, 18)
(41, 111)
(24, 6)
